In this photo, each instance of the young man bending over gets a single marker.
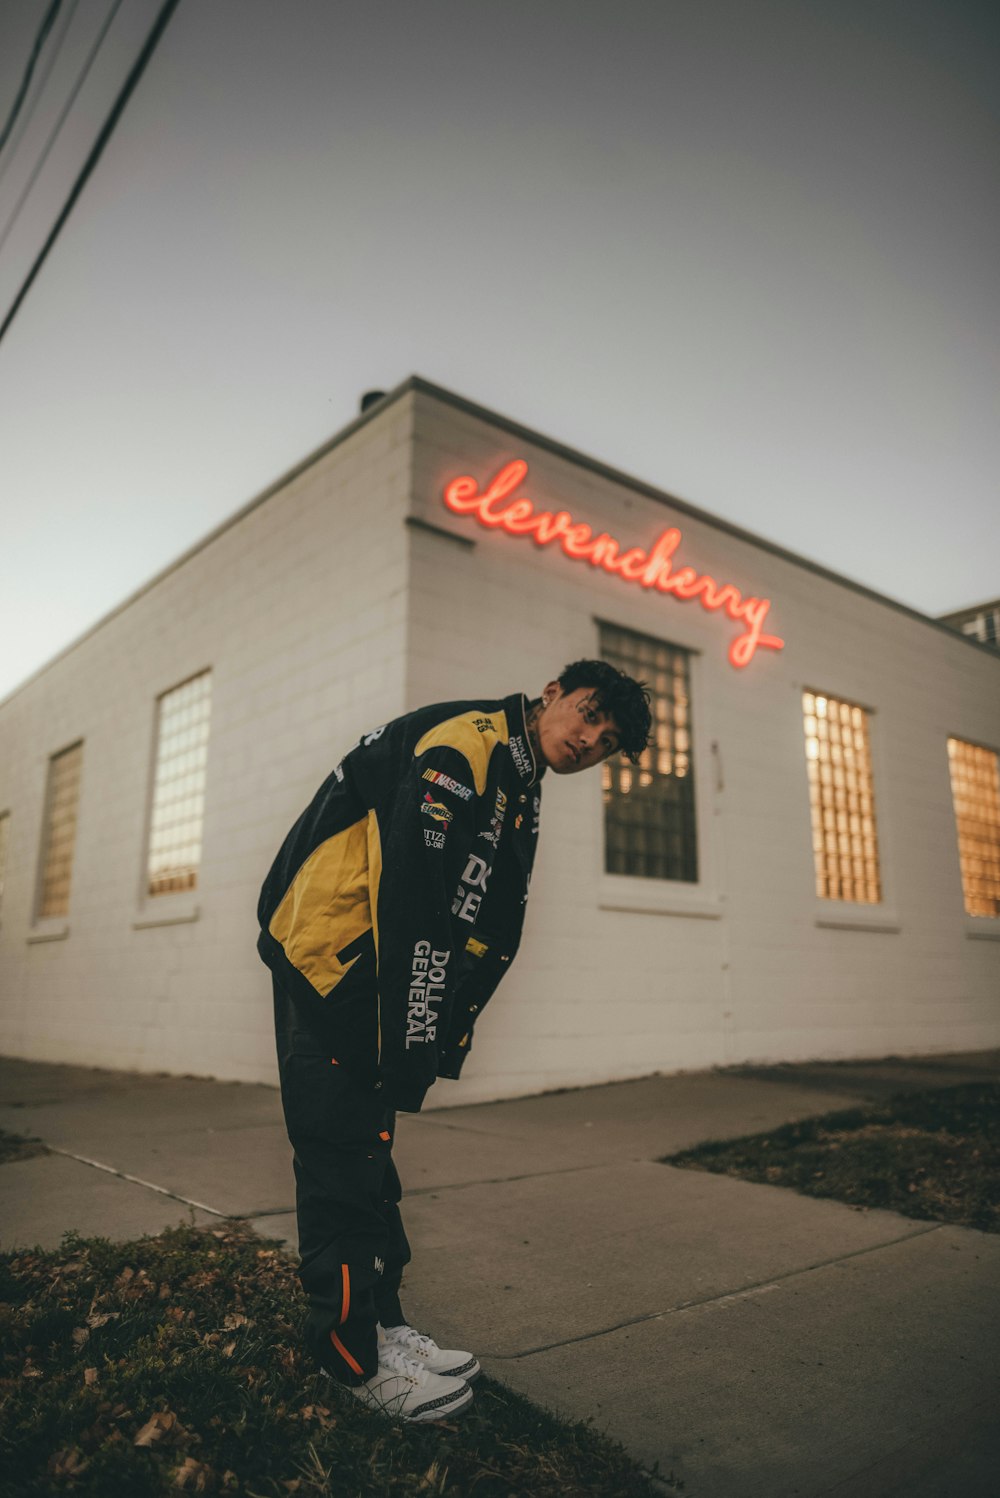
(391, 913)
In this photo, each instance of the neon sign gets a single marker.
(652, 569)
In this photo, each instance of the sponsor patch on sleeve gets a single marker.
(435, 809)
(463, 792)
(433, 838)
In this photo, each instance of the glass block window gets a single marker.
(4, 838)
(975, 789)
(179, 787)
(61, 802)
(649, 811)
(842, 800)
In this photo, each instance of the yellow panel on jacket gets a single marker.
(472, 734)
(326, 907)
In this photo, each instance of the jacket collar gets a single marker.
(519, 740)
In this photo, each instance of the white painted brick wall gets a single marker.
(322, 614)
(299, 609)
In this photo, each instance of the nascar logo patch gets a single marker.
(446, 783)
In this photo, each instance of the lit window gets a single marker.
(179, 787)
(4, 837)
(61, 803)
(975, 789)
(649, 815)
(841, 798)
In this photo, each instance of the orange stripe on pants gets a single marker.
(351, 1362)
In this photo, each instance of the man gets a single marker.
(392, 911)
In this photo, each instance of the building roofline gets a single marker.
(279, 483)
(559, 449)
(971, 608)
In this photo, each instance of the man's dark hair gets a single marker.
(620, 696)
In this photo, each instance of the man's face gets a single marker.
(573, 733)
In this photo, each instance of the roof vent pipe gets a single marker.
(371, 398)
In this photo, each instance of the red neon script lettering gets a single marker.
(495, 508)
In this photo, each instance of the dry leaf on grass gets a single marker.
(68, 1463)
(90, 1376)
(196, 1476)
(80, 1335)
(234, 1320)
(155, 1428)
(315, 1412)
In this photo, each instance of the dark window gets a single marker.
(649, 820)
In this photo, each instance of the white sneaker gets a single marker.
(406, 1390)
(425, 1351)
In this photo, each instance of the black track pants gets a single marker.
(351, 1239)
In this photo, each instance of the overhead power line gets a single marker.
(25, 118)
(96, 151)
(36, 51)
(57, 127)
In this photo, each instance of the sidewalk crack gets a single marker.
(123, 1175)
(528, 1175)
(773, 1282)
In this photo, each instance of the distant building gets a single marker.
(806, 864)
(979, 623)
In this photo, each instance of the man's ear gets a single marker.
(549, 692)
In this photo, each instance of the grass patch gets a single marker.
(19, 1147)
(174, 1364)
(933, 1155)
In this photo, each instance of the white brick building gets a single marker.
(349, 592)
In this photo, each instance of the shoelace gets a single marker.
(418, 1340)
(391, 1355)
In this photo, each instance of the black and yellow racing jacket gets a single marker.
(395, 904)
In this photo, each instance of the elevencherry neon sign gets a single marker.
(651, 569)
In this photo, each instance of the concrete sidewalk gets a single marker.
(755, 1343)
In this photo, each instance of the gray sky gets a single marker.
(745, 251)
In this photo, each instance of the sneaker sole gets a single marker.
(439, 1409)
(469, 1371)
(435, 1409)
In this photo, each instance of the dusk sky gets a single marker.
(747, 252)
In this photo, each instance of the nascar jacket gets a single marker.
(395, 904)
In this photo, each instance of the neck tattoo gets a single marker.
(531, 724)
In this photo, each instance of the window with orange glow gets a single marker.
(179, 787)
(842, 800)
(649, 811)
(62, 801)
(975, 789)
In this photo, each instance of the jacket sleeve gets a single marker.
(430, 885)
